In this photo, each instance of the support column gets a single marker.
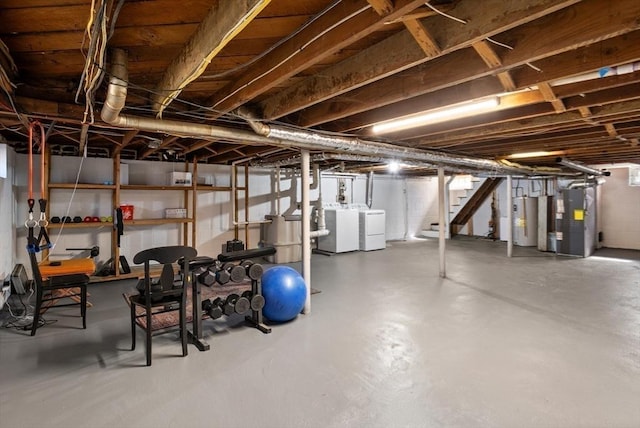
(441, 222)
(509, 216)
(306, 230)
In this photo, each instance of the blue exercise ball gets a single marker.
(284, 293)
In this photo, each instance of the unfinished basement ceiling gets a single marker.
(566, 74)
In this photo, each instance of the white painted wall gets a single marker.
(620, 212)
(7, 210)
(410, 204)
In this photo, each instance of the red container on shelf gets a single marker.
(127, 212)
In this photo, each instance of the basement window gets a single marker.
(634, 176)
(3, 161)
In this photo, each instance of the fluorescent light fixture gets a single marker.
(393, 166)
(534, 154)
(444, 114)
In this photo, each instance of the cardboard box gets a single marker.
(179, 179)
(175, 213)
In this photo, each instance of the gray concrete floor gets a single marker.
(531, 341)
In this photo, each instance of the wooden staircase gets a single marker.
(475, 201)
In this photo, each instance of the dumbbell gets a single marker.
(252, 269)
(257, 301)
(236, 272)
(208, 276)
(213, 308)
(242, 304)
(198, 271)
(229, 306)
(222, 276)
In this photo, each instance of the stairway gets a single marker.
(466, 195)
(475, 200)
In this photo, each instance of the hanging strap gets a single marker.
(42, 242)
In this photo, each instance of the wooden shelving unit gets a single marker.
(89, 225)
(189, 224)
(116, 190)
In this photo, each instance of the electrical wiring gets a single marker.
(504, 45)
(272, 48)
(97, 34)
(446, 15)
(296, 52)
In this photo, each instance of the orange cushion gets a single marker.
(67, 267)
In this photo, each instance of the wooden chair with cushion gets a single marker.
(59, 281)
(159, 296)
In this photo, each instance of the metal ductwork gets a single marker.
(582, 168)
(280, 135)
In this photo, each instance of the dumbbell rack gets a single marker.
(196, 336)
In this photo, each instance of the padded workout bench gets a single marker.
(67, 267)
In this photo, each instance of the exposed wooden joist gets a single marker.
(397, 53)
(355, 22)
(382, 7)
(458, 67)
(611, 129)
(524, 125)
(422, 36)
(197, 146)
(223, 22)
(550, 96)
(491, 58)
(166, 142)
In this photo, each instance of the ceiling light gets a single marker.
(153, 144)
(534, 154)
(444, 114)
(393, 166)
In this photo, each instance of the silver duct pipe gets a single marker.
(369, 196)
(365, 147)
(276, 135)
(581, 167)
(294, 160)
(592, 182)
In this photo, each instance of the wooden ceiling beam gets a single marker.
(382, 7)
(491, 58)
(524, 125)
(398, 52)
(423, 37)
(224, 21)
(166, 142)
(548, 94)
(355, 22)
(457, 68)
(197, 146)
(127, 138)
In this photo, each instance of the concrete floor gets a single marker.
(531, 341)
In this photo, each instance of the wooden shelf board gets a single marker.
(209, 188)
(150, 187)
(81, 186)
(82, 225)
(150, 221)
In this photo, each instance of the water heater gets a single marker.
(525, 221)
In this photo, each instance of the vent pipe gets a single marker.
(582, 168)
(277, 135)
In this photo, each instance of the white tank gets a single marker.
(525, 221)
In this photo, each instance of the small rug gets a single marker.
(171, 319)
